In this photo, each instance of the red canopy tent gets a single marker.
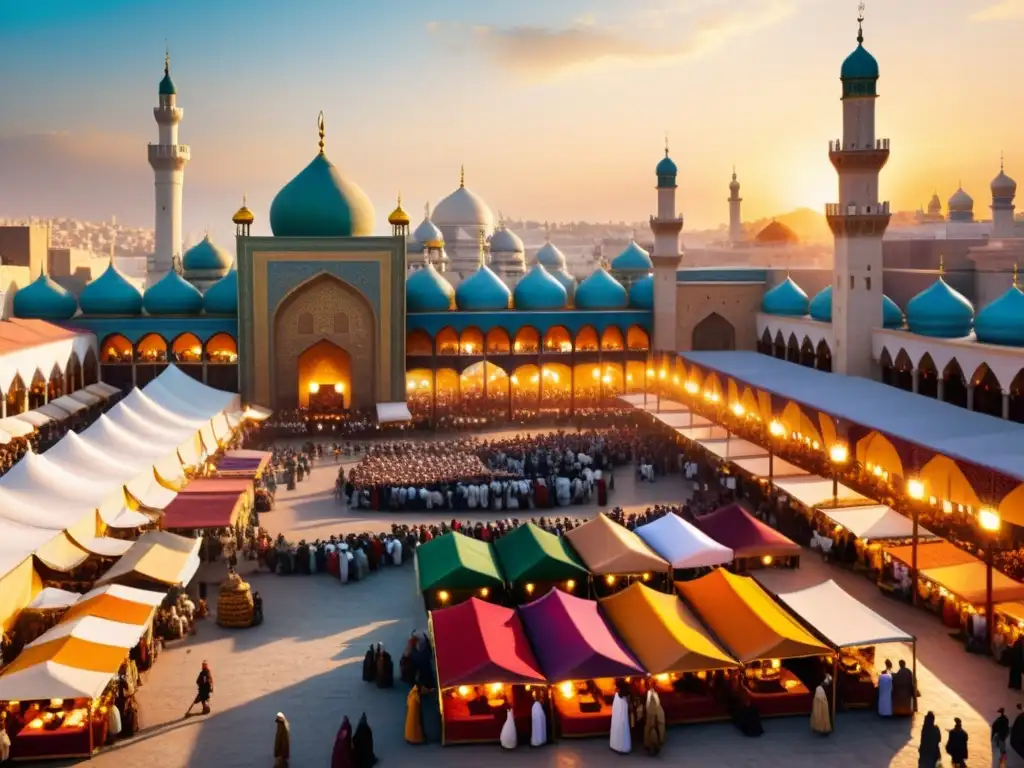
(217, 485)
(745, 535)
(202, 510)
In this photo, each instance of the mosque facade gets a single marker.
(325, 314)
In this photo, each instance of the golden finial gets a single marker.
(942, 265)
(167, 59)
(1015, 275)
(426, 211)
(1002, 160)
(666, 143)
(111, 252)
(399, 199)
(860, 23)
(321, 129)
(462, 176)
(482, 241)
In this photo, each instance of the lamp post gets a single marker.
(990, 523)
(915, 490)
(838, 454)
(775, 431)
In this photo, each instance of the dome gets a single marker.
(776, 233)
(859, 65)
(568, 281)
(43, 299)
(641, 294)
(483, 291)
(427, 291)
(633, 258)
(820, 309)
(206, 255)
(935, 205)
(1002, 321)
(1003, 186)
(506, 241)
(167, 85)
(538, 290)
(786, 298)
(172, 295)
(549, 255)
(398, 217)
(734, 185)
(427, 231)
(960, 202)
(110, 294)
(666, 167)
(463, 208)
(941, 312)
(221, 298)
(601, 291)
(243, 215)
(320, 202)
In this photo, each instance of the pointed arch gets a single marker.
(498, 342)
(987, 394)
(587, 339)
(557, 340)
(447, 341)
(807, 353)
(637, 339)
(927, 377)
(713, 333)
(823, 357)
(793, 349)
(874, 450)
(471, 341)
(419, 343)
(612, 340)
(527, 341)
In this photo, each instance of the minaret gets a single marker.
(858, 221)
(168, 159)
(735, 219)
(1004, 189)
(666, 227)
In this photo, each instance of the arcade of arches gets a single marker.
(43, 388)
(128, 365)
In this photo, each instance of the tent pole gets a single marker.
(913, 652)
(835, 686)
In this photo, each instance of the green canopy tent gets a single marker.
(534, 560)
(453, 568)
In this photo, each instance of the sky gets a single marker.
(558, 110)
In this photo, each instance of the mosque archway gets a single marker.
(73, 373)
(418, 390)
(90, 370)
(988, 392)
(557, 389)
(636, 373)
(764, 344)
(17, 396)
(885, 364)
(525, 381)
(637, 339)
(221, 354)
(903, 371)
(446, 389)
(324, 377)
(418, 342)
(587, 340)
(780, 346)
(954, 386)
(823, 357)
(713, 333)
(471, 342)
(586, 378)
(498, 342)
(186, 352)
(793, 349)
(117, 361)
(150, 358)
(557, 340)
(37, 390)
(611, 340)
(483, 384)
(1015, 393)
(527, 341)
(927, 377)
(447, 341)
(807, 355)
(56, 385)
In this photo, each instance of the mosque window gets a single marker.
(852, 286)
(867, 283)
(340, 322)
(306, 322)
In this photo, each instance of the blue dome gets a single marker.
(633, 258)
(568, 282)
(110, 294)
(172, 295)
(859, 65)
(483, 291)
(820, 309)
(205, 255)
(941, 312)
(427, 291)
(221, 298)
(320, 202)
(787, 298)
(538, 290)
(43, 299)
(549, 255)
(641, 294)
(666, 167)
(1002, 321)
(601, 291)
(167, 86)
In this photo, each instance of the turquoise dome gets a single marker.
(601, 291)
(172, 295)
(549, 255)
(320, 202)
(567, 281)
(110, 294)
(205, 255)
(539, 290)
(859, 65)
(820, 309)
(167, 86)
(787, 298)
(427, 291)
(633, 258)
(1002, 321)
(221, 298)
(666, 167)
(483, 291)
(641, 294)
(941, 312)
(43, 299)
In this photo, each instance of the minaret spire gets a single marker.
(462, 176)
(860, 24)
(167, 60)
(482, 243)
(321, 130)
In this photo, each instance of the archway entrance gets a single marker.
(712, 334)
(325, 377)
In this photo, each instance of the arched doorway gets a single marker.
(324, 377)
(712, 334)
(325, 328)
(221, 352)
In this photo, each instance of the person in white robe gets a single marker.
(472, 496)
(821, 716)
(619, 739)
(114, 721)
(538, 725)
(344, 557)
(312, 558)
(885, 694)
(484, 491)
(396, 552)
(509, 738)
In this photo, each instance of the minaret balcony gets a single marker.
(165, 114)
(857, 220)
(851, 156)
(170, 152)
(658, 222)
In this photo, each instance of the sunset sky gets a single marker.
(557, 109)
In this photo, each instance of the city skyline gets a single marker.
(412, 93)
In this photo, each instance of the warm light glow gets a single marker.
(715, 397)
(410, 386)
(463, 691)
(738, 409)
(646, 577)
(691, 387)
(947, 506)
(629, 377)
(313, 387)
(565, 346)
(663, 677)
(766, 560)
(606, 379)
(571, 584)
(839, 453)
(530, 588)
(443, 596)
(197, 351)
(609, 580)
(988, 519)
(776, 663)
(469, 348)
(877, 471)
(596, 374)
(915, 489)
(485, 592)
(496, 688)
(650, 372)
(675, 379)
(339, 388)
(567, 689)
(515, 379)
(661, 375)
(56, 703)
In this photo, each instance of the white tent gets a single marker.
(158, 556)
(61, 553)
(52, 598)
(94, 630)
(257, 413)
(105, 546)
(875, 522)
(676, 419)
(16, 427)
(813, 491)
(76, 454)
(129, 518)
(732, 448)
(69, 404)
(842, 619)
(19, 540)
(112, 438)
(37, 419)
(179, 392)
(683, 545)
(48, 485)
(142, 404)
(121, 592)
(758, 467)
(102, 389)
(636, 400)
(704, 433)
(393, 413)
(149, 492)
(86, 397)
(52, 680)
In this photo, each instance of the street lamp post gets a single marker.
(915, 490)
(839, 454)
(775, 431)
(989, 521)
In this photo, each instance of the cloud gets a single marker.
(540, 51)
(1000, 11)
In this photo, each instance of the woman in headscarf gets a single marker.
(362, 744)
(282, 742)
(821, 717)
(370, 665)
(430, 708)
(385, 668)
(204, 690)
(343, 755)
(509, 737)
(654, 723)
(413, 717)
(929, 751)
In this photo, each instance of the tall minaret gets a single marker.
(666, 227)
(1004, 189)
(858, 221)
(735, 219)
(168, 159)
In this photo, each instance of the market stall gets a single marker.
(535, 561)
(115, 602)
(691, 672)
(158, 559)
(453, 568)
(683, 545)
(614, 555)
(243, 463)
(582, 658)
(811, 491)
(199, 511)
(966, 583)
(732, 448)
(704, 432)
(760, 634)
(765, 468)
(484, 667)
(754, 544)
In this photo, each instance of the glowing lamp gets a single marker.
(715, 397)
(988, 519)
(485, 592)
(56, 703)
(463, 691)
(629, 377)
(410, 386)
(738, 409)
(646, 577)
(776, 663)
(424, 383)
(514, 379)
(661, 375)
(691, 387)
(766, 560)
(877, 472)
(496, 688)
(915, 489)
(607, 379)
(571, 584)
(565, 346)
(469, 349)
(675, 379)
(339, 388)
(662, 678)
(838, 453)
(567, 690)
(518, 346)
(596, 374)
(313, 387)
(947, 506)
(530, 588)
(609, 580)
(443, 596)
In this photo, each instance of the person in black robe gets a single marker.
(302, 558)
(1017, 732)
(321, 557)
(362, 745)
(1016, 664)
(370, 665)
(748, 720)
(385, 668)
(956, 744)
(257, 609)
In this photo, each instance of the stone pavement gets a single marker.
(305, 661)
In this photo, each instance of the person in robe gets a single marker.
(509, 737)
(538, 723)
(414, 717)
(113, 723)
(1017, 664)
(362, 744)
(654, 723)
(5, 740)
(821, 716)
(904, 691)
(1017, 732)
(406, 665)
(385, 668)
(885, 691)
(956, 744)
(1000, 734)
(204, 690)
(282, 742)
(929, 750)
(343, 755)
(748, 720)
(370, 665)
(619, 738)
(430, 706)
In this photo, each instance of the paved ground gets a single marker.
(305, 661)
